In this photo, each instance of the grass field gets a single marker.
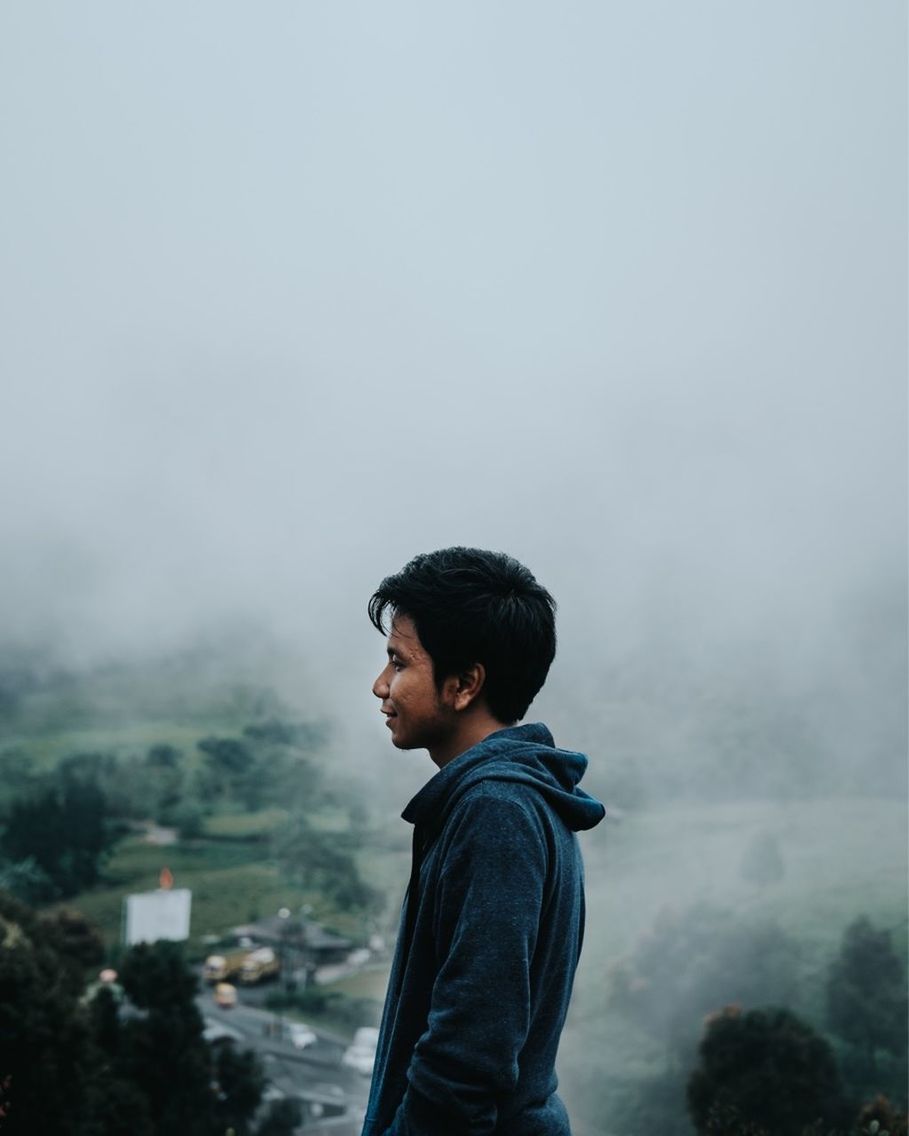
(240, 826)
(369, 983)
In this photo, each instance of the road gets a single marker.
(314, 1074)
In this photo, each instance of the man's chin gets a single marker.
(403, 742)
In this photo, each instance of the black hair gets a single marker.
(471, 606)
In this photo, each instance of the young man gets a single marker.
(494, 914)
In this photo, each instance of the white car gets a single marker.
(360, 1057)
(301, 1035)
(361, 1054)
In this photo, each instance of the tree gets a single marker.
(240, 1081)
(75, 939)
(73, 1068)
(16, 772)
(64, 829)
(281, 732)
(283, 1118)
(27, 881)
(89, 767)
(765, 1069)
(164, 1054)
(163, 757)
(187, 818)
(866, 992)
(229, 770)
(45, 1042)
(155, 976)
(317, 861)
(140, 787)
(228, 757)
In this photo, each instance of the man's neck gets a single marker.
(471, 733)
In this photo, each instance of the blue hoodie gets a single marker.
(490, 936)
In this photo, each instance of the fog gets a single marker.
(292, 292)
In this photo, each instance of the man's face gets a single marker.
(415, 712)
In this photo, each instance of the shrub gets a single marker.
(767, 1069)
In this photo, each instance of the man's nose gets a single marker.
(380, 686)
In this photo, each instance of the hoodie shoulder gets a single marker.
(492, 796)
(495, 812)
(526, 764)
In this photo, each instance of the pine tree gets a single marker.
(866, 993)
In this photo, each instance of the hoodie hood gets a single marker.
(526, 754)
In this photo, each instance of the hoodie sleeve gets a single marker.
(487, 916)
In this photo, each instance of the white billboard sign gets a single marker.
(153, 915)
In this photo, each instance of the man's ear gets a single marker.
(468, 685)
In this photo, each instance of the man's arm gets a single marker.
(487, 917)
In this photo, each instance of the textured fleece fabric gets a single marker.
(490, 936)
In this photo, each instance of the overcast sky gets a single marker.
(291, 291)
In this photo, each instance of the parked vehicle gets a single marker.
(361, 1054)
(300, 1035)
(259, 965)
(222, 968)
(225, 995)
(361, 1058)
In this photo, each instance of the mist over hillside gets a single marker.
(779, 711)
